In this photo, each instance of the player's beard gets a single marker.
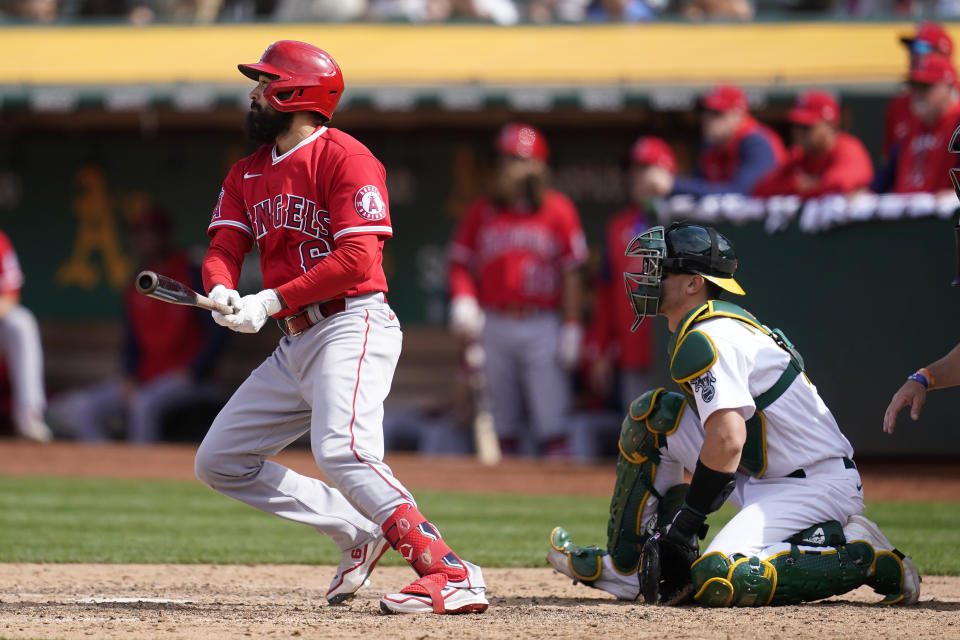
(524, 189)
(264, 124)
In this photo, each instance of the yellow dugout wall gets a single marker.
(760, 54)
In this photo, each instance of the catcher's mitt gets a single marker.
(665, 568)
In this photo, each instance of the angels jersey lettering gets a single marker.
(297, 205)
(518, 258)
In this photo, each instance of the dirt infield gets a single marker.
(200, 602)
(203, 602)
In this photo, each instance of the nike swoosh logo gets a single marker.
(251, 175)
(392, 316)
(859, 486)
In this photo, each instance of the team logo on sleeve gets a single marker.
(704, 385)
(369, 203)
(216, 209)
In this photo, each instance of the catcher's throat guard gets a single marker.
(644, 287)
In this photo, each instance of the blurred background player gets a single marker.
(737, 151)
(824, 159)
(21, 350)
(168, 351)
(618, 362)
(919, 160)
(930, 39)
(515, 285)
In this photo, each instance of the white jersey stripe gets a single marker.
(230, 223)
(365, 229)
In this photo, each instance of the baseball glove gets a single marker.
(665, 567)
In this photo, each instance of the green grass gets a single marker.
(107, 520)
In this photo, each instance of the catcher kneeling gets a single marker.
(753, 430)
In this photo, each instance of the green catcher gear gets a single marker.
(682, 248)
(796, 575)
(692, 354)
(652, 417)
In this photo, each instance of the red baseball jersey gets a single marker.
(899, 121)
(297, 205)
(844, 168)
(514, 258)
(168, 336)
(612, 314)
(11, 276)
(922, 157)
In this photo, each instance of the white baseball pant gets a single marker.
(331, 381)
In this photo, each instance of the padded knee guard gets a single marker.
(652, 417)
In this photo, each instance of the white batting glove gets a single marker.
(229, 297)
(254, 311)
(466, 317)
(568, 348)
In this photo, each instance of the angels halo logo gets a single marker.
(369, 203)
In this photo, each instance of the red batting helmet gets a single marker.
(305, 78)
(522, 141)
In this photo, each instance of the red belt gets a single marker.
(299, 322)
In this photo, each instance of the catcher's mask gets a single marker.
(679, 248)
(954, 147)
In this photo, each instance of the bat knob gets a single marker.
(146, 282)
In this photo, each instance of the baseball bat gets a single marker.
(485, 437)
(956, 237)
(152, 284)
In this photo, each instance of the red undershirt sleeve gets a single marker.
(224, 258)
(350, 264)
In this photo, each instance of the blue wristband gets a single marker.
(919, 377)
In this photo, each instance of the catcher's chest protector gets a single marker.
(692, 353)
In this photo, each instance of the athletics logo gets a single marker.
(704, 385)
(369, 203)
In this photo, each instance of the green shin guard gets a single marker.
(652, 417)
(789, 577)
(803, 576)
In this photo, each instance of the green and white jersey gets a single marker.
(736, 361)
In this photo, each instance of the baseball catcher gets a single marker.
(751, 428)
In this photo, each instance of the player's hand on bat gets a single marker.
(222, 295)
(911, 394)
(254, 311)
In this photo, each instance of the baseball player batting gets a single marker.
(314, 201)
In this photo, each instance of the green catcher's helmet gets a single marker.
(683, 248)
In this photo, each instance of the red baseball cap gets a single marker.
(812, 107)
(934, 35)
(724, 97)
(933, 69)
(653, 151)
(522, 141)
